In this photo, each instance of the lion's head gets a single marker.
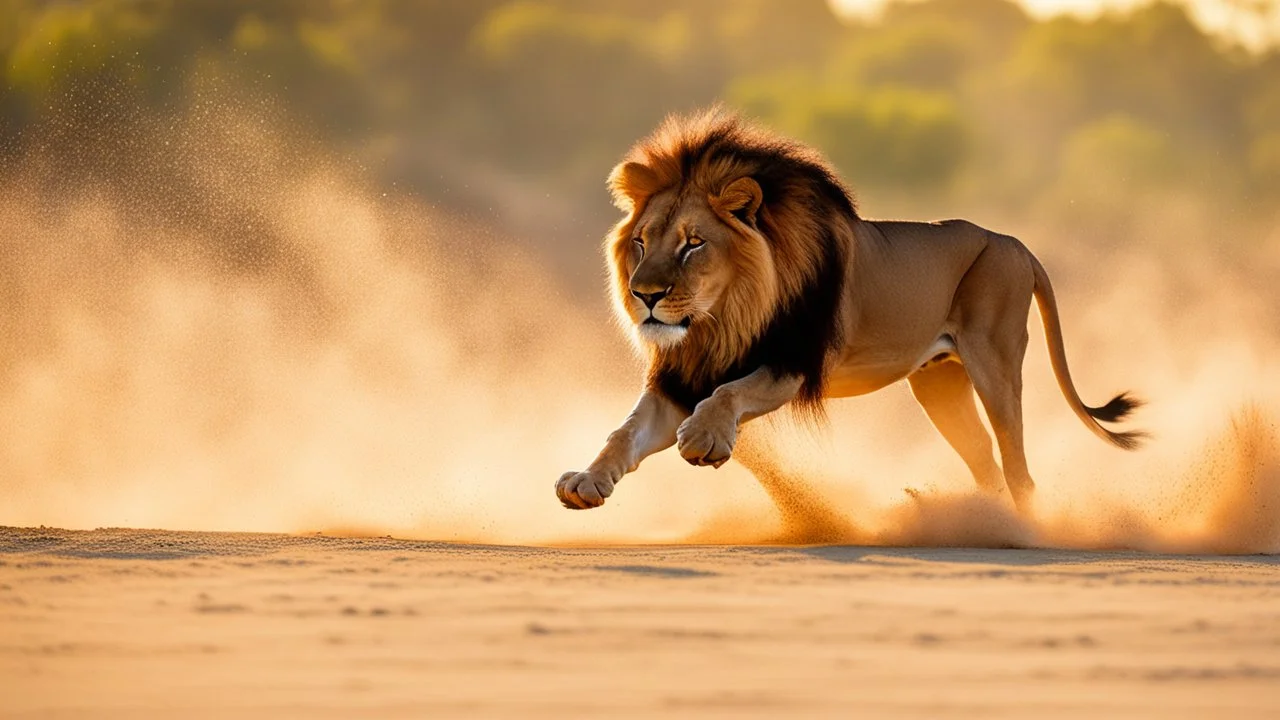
(733, 238)
(691, 254)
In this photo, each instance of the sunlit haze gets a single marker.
(1252, 24)
(306, 329)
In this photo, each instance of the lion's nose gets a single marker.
(651, 299)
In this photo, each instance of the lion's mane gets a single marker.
(783, 311)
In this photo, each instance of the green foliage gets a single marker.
(1153, 64)
(521, 30)
(65, 41)
(888, 135)
(1118, 150)
(958, 99)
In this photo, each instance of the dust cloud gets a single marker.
(278, 345)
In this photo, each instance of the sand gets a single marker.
(139, 624)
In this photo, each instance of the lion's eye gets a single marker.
(691, 243)
(639, 242)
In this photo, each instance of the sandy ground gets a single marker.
(132, 623)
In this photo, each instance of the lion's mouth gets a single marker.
(651, 320)
(662, 334)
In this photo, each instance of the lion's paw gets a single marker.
(705, 442)
(583, 490)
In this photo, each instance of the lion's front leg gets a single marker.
(649, 428)
(708, 436)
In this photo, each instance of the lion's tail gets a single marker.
(1114, 411)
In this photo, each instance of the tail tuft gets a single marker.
(1116, 410)
(1131, 440)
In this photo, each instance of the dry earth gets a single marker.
(140, 624)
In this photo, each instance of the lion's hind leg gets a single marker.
(992, 304)
(998, 382)
(944, 391)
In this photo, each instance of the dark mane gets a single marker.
(795, 342)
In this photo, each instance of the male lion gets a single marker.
(750, 282)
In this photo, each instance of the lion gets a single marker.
(750, 282)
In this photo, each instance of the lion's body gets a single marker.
(900, 295)
(751, 282)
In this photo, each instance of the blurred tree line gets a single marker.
(490, 105)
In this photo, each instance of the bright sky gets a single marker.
(1255, 23)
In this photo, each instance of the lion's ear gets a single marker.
(740, 199)
(630, 182)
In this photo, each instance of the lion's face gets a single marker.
(686, 255)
